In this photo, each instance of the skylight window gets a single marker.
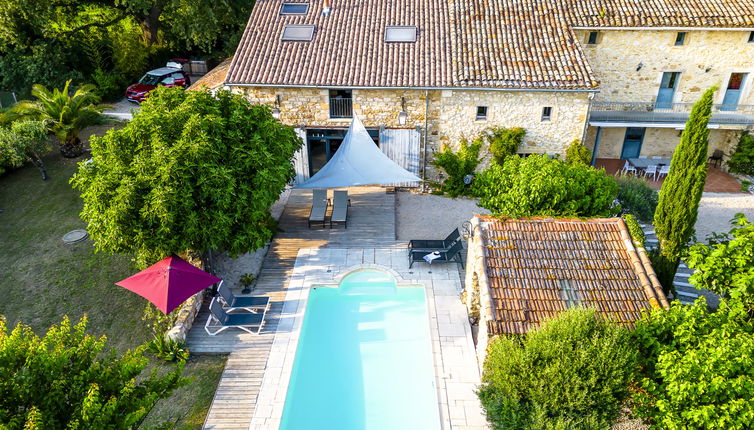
(298, 33)
(294, 8)
(402, 33)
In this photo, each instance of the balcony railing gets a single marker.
(648, 112)
(341, 107)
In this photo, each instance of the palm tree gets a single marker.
(65, 114)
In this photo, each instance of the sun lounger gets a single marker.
(451, 255)
(435, 245)
(223, 320)
(233, 302)
(339, 208)
(319, 207)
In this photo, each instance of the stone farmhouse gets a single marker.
(620, 75)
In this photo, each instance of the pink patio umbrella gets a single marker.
(168, 283)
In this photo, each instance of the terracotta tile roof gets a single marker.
(348, 47)
(661, 13)
(535, 267)
(515, 44)
(214, 78)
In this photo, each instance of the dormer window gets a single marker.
(294, 8)
(298, 33)
(400, 33)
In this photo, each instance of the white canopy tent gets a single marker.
(358, 161)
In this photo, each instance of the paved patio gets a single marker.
(718, 180)
(369, 239)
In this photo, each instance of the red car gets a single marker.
(165, 76)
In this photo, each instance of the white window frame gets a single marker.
(398, 28)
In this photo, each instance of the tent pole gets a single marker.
(426, 134)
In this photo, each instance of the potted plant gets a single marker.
(246, 280)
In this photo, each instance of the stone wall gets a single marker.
(451, 113)
(657, 141)
(475, 265)
(707, 58)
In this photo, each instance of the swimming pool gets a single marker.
(364, 359)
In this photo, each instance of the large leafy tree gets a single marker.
(696, 367)
(50, 41)
(67, 379)
(726, 265)
(573, 372)
(191, 171)
(24, 141)
(681, 192)
(540, 186)
(65, 114)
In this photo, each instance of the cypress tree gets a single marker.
(681, 192)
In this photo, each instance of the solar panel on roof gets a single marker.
(569, 295)
(294, 8)
(400, 33)
(297, 32)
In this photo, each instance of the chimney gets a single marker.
(326, 8)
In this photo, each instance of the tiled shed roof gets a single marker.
(215, 78)
(507, 44)
(536, 267)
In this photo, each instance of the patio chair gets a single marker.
(716, 157)
(233, 302)
(219, 318)
(339, 208)
(651, 170)
(434, 245)
(319, 207)
(664, 170)
(628, 168)
(451, 255)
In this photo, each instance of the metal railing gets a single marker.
(651, 112)
(341, 107)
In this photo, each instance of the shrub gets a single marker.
(742, 159)
(637, 234)
(540, 186)
(457, 165)
(110, 85)
(504, 142)
(573, 372)
(696, 367)
(578, 153)
(67, 379)
(636, 197)
(726, 265)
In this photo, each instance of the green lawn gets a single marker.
(44, 279)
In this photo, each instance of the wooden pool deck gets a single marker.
(371, 224)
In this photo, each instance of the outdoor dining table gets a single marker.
(643, 163)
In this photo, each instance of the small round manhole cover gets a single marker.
(75, 236)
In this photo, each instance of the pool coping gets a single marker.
(454, 358)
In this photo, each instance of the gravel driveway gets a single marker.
(427, 216)
(717, 209)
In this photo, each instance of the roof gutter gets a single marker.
(341, 87)
(667, 28)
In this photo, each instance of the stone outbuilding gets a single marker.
(521, 272)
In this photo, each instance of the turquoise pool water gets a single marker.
(364, 359)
